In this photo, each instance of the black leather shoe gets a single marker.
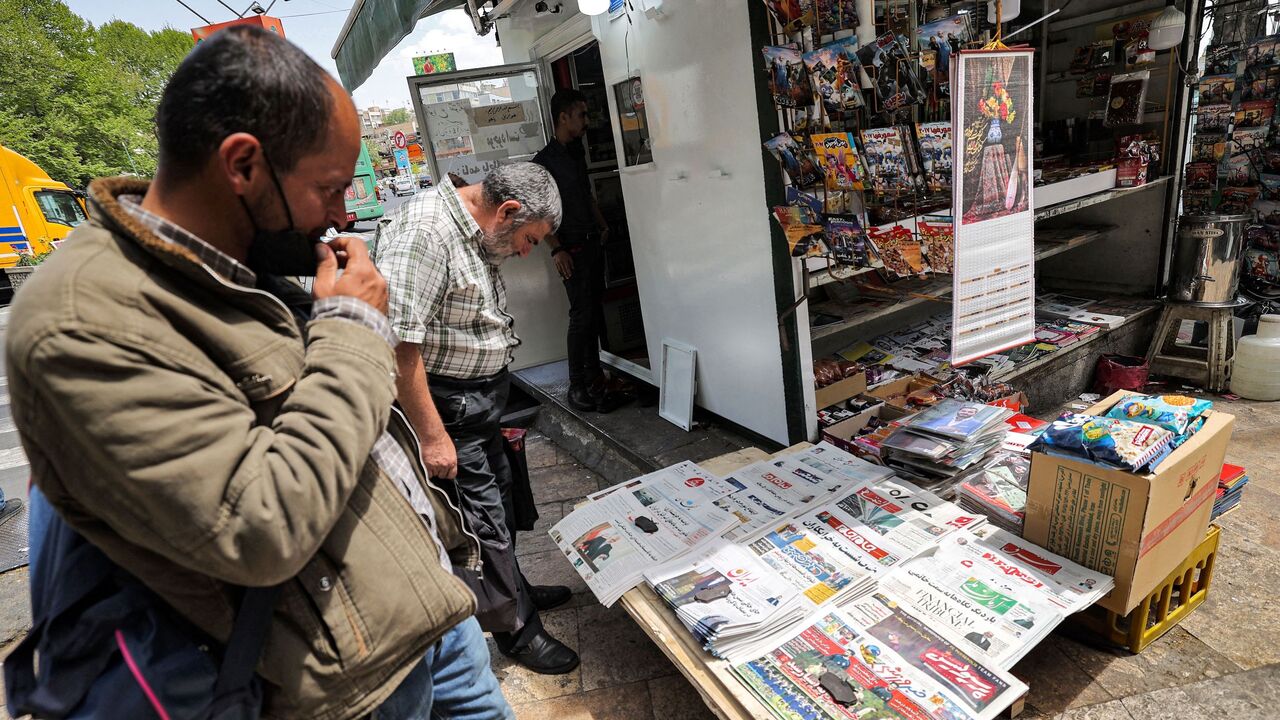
(580, 399)
(545, 655)
(546, 597)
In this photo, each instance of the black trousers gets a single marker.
(586, 311)
(471, 410)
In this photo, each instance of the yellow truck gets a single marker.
(36, 212)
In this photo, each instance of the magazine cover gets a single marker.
(1261, 83)
(802, 228)
(885, 153)
(835, 15)
(958, 419)
(1208, 147)
(838, 157)
(938, 236)
(1248, 139)
(833, 72)
(792, 15)
(847, 242)
(795, 160)
(935, 151)
(1216, 89)
(1202, 175)
(899, 250)
(1255, 113)
(1224, 59)
(1214, 118)
(1241, 171)
(944, 37)
(890, 67)
(788, 80)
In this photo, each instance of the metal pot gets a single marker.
(1206, 259)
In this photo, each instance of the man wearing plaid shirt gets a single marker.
(440, 253)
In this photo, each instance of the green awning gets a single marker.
(373, 29)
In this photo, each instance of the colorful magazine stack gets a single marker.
(1230, 489)
(998, 489)
(951, 436)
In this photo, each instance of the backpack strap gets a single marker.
(248, 636)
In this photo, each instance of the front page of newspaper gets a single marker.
(611, 541)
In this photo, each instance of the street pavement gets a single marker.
(13, 462)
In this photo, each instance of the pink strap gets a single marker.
(137, 675)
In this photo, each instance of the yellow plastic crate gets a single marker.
(1172, 600)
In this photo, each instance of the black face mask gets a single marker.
(280, 252)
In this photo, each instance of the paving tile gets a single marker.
(552, 568)
(540, 452)
(562, 482)
(1056, 683)
(520, 685)
(15, 605)
(614, 649)
(1240, 618)
(625, 702)
(1249, 694)
(1178, 658)
(537, 540)
(1114, 710)
(1254, 520)
(697, 451)
(674, 698)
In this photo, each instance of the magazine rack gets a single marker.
(728, 698)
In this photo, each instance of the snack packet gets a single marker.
(1171, 412)
(1122, 443)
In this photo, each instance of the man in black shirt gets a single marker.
(576, 248)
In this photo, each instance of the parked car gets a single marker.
(404, 185)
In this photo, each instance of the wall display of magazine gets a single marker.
(993, 305)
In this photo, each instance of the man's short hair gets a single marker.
(243, 79)
(563, 101)
(528, 184)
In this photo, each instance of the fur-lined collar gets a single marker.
(104, 207)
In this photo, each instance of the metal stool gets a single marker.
(1210, 369)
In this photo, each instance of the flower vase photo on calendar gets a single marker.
(997, 144)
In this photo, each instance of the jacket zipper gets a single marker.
(478, 568)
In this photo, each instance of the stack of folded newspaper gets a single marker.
(771, 490)
(728, 599)
(873, 659)
(935, 445)
(626, 529)
(999, 594)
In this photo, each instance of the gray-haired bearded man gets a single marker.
(441, 254)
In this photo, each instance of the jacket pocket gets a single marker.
(325, 587)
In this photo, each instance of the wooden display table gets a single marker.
(727, 697)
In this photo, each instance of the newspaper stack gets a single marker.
(874, 660)
(935, 445)
(834, 554)
(999, 602)
(997, 488)
(773, 490)
(626, 529)
(728, 599)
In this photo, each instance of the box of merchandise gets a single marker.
(845, 433)
(895, 392)
(1135, 527)
(840, 390)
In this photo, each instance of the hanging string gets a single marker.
(996, 40)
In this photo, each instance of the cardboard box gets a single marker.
(843, 434)
(895, 392)
(1136, 528)
(840, 391)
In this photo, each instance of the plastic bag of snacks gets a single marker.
(1122, 443)
(1171, 412)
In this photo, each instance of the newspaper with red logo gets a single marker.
(873, 660)
(999, 604)
(770, 491)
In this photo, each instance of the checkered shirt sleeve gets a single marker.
(358, 311)
(417, 273)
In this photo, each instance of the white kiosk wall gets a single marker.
(698, 217)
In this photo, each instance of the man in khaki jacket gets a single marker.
(209, 426)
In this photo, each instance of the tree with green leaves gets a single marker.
(395, 117)
(80, 100)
